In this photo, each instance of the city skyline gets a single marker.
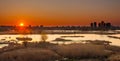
(59, 12)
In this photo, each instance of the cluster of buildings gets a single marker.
(93, 26)
(102, 24)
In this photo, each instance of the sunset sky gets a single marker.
(59, 12)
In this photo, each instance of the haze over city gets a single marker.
(59, 12)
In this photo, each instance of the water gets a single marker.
(3, 45)
(37, 37)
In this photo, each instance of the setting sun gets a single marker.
(21, 24)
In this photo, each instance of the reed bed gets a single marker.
(82, 51)
(53, 52)
(114, 57)
(29, 54)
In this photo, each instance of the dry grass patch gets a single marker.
(115, 57)
(29, 54)
(82, 51)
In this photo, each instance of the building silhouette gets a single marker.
(101, 25)
(94, 24)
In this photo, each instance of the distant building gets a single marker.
(93, 25)
(41, 26)
(108, 25)
(104, 25)
(101, 25)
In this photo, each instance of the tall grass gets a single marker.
(113, 48)
(82, 51)
(115, 57)
(29, 54)
(44, 51)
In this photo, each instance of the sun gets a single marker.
(21, 24)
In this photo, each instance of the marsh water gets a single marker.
(51, 37)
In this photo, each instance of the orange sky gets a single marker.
(59, 12)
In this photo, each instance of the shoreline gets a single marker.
(82, 32)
